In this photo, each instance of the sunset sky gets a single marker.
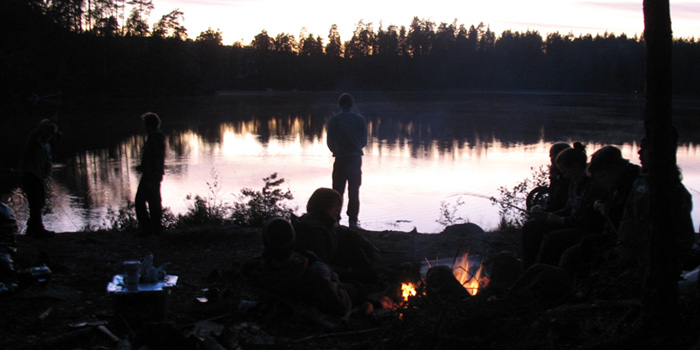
(241, 20)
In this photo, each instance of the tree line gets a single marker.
(87, 48)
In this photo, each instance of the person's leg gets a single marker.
(578, 259)
(556, 242)
(36, 197)
(140, 206)
(532, 233)
(339, 178)
(573, 259)
(155, 207)
(354, 171)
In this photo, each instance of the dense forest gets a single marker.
(106, 48)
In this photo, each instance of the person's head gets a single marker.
(644, 152)
(46, 129)
(572, 161)
(279, 239)
(607, 164)
(345, 101)
(555, 149)
(151, 121)
(325, 200)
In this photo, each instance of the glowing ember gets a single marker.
(471, 280)
(407, 290)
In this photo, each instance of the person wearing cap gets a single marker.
(304, 277)
(36, 171)
(623, 245)
(346, 137)
(618, 176)
(152, 169)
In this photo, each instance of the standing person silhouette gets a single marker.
(346, 137)
(36, 171)
(152, 169)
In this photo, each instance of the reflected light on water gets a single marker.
(407, 173)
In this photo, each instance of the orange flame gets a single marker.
(471, 281)
(407, 290)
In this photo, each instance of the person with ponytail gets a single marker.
(549, 234)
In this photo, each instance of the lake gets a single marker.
(425, 150)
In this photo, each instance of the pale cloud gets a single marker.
(686, 10)
(208, 3)
(243, 19)
(635, 6)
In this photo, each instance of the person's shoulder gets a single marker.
(334, 119)
(684, 194)
(308, 220)
(357, 115)
(157, 137)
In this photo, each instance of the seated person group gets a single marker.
(598, 214)
(595, 211)
(307, 257)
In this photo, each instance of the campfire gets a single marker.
(468, 272)
(472, 281)
(408, 290)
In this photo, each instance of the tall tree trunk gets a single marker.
(661, 289)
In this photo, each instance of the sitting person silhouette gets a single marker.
(318, 231)
(304, 277)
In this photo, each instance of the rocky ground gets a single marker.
(212, 306)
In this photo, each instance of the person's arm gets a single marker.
(153, 156)
(585, 215)
(326, 290)
(331, 135)
(364, 132)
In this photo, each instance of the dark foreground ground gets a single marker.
(213, 307)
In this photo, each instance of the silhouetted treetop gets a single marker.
(99, 51)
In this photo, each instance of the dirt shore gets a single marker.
(70, 309)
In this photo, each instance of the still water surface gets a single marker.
(424, 150)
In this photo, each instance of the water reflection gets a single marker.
(422, 152)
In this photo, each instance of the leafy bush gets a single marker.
(448, 213)
(254, 207)
(512, 202)
(206, 210)
(203, 211)
(124, 219)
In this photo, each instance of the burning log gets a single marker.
(408, 290)
(441, 283)
(506, 268)
(470, 275)
(473, 282)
